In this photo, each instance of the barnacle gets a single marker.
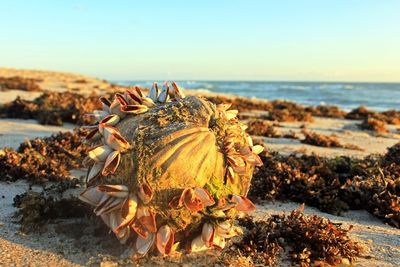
(169, 171)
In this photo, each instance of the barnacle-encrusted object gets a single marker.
(169, 171)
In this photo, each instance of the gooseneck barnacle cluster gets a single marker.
(169, 172)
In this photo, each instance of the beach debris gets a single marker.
(262, 128)
(393, 155)
(52, 108)
(333, 185)
(375, 125)
(277, 110)
(35, 209)
(326, 111)
(290, 135)
(312, 240)
(322, 140)
(363, 113)
(359, 113)
(44, 159)
(164, 167)
(19, 83)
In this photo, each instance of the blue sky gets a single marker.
(345, 40)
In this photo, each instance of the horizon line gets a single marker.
(253, 81)
(100, 77)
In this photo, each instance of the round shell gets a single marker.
(169, 169)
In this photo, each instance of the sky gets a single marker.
(294, 40)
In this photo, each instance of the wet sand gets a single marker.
(63, 248)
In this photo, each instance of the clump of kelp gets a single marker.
(35, 209)
(19, 83)
(262, 128)
(312, 240)
(362, 113)
(280, 110)
(315, 139)
(285, 111)
(333, 185)
(53, 108)
(322, 140)
(326, 111)
(44, 159)
(375, 125)
(393, 154)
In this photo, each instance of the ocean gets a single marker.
(376, 96)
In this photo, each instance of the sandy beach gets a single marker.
(79, 247)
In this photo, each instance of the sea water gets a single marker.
(376, 96)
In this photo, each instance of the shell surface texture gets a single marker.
(169, 172)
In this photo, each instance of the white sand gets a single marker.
(382, 242)
(346, 131)
(15, 131)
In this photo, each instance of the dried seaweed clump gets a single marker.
(333, 185)
(322, 140)
(278, 110)
(169, 172)
(326, 111)
(19, 83)
(391, 116)
(263, 128)
(303, 178)
(359, 113)
(316, 139)
(288, 112)
(362, 113)
(393, 154)
(44, 159)
(241, 104)
(19, 108)
(53, 108)
(313, 240)
(375, 125)
(36, 209)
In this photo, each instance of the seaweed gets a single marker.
(19, 83)
(313, 240)
(36, 209)
(278, 110)
(326, 111)
(333, 185)
(288, 112)
(263, 128)
(315, 139)
(359, 113)
(363, 113)
(19, 108)
(44, 159)
(290, 135)
(53, 108)
(393, 154)
(373, 124)
(241, 103)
